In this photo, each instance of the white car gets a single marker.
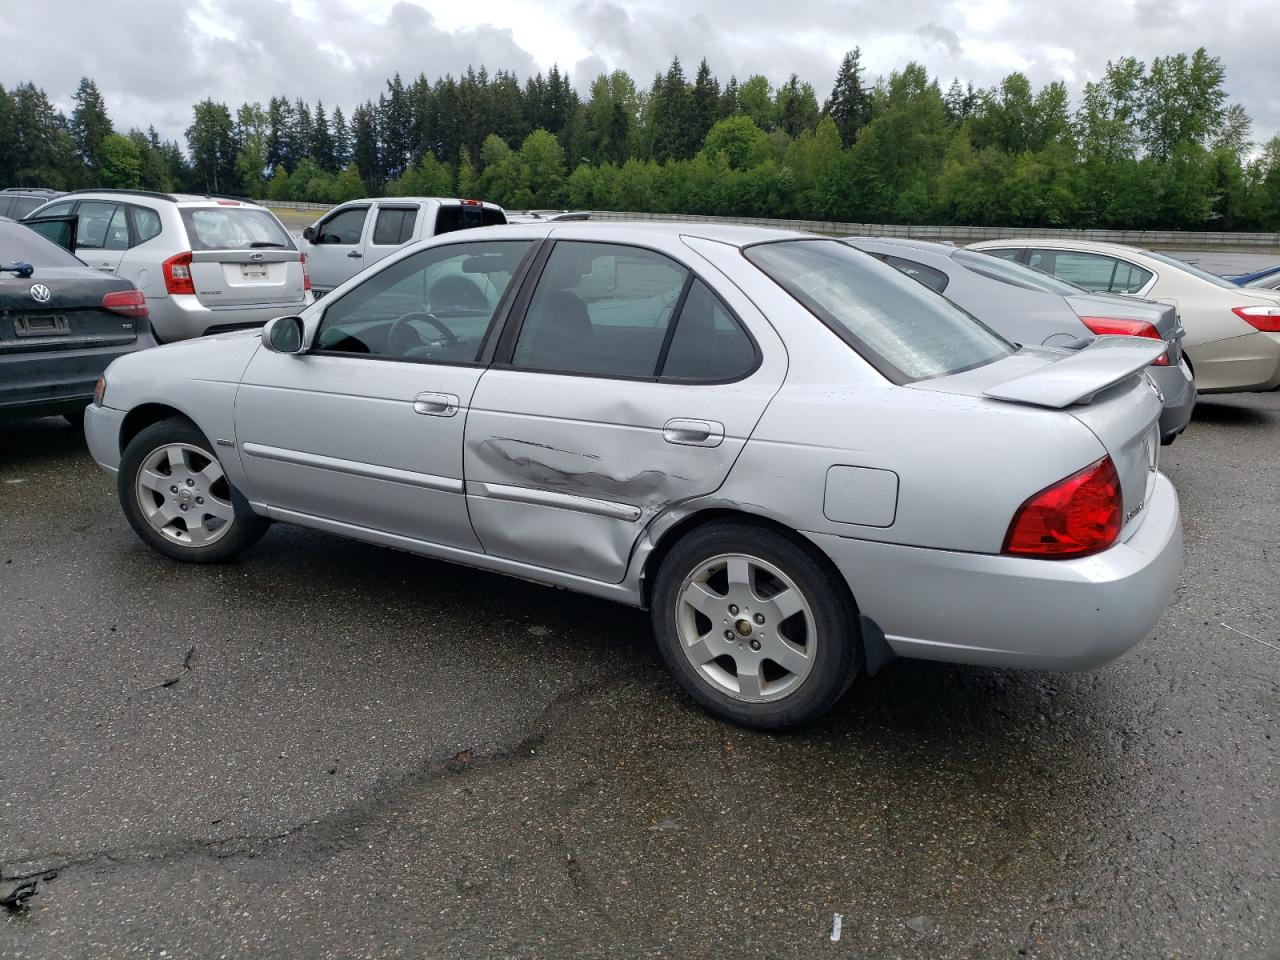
(1232, 340)
(359, 233)
(205, 264)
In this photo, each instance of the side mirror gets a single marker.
(283, 335)
(309, 234)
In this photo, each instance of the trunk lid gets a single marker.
(241, 256)
(1102, 386)
(72, 318)
(1162, 316)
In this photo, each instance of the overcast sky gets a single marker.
(152, 59)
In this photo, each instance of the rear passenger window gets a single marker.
(118, 230)
(394, 225)
(601, 309)
(1005, 253)
(95, 220)
(146, 224)
(933, 279)
(1129, 278)
(22, 206)
(58, 209)
(463, 216)
(1094, 272)
(709, 344)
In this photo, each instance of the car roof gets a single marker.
(1061, 243)
(441, 200)
(732, 234)
(908, 243)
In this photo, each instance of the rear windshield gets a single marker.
(233, 228)
(1006, 271)
(1213, 278)
(905, 330)
(20, 242)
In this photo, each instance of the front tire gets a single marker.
(178, 499)
(754, 627)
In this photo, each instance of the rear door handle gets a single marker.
(353, 255)
(693, 433)
(435, 404)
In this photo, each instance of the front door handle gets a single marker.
(693, 433)
(354, 255)
(435, 404)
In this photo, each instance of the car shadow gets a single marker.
(31, 443)
(1231, 414)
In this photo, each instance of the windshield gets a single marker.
(901, 327)
(1006, 271)
(20, 242)
(233, 228)
(1213, 278)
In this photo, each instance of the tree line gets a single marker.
(1149, 145)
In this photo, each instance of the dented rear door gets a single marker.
(565, 468)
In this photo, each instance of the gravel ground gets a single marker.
(332, 750)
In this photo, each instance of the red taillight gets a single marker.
(177, 274)
(1265, 319)
(1116, 327)
(228, 203)
(1073, 518)
(306, 277)
(473, 203)
(129, 303)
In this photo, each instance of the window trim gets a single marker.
(924, 268)
(500, 312)
(505, 349)
(405, 207)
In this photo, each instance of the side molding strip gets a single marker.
(552, 498)
(371, 470)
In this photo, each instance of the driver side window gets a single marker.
(434, 306)
(344, 227)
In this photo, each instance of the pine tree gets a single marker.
(341, 139)
(675, 130)
(90, 125)
(706, 100)
(322, 140)
(849, 105)
(364, 145)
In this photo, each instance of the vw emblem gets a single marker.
(255, 256)
(40, 293)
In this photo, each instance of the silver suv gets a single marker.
(205, 264)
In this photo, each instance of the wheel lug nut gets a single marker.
(759, 618)
(184, 506)
(199, 499)
(173, 489)
(755, 644)
(733, 609)
(728, 634)
(191, 483)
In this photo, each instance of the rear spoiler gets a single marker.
(1081, 376)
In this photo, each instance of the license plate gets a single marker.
(45, 325)
(253, 271)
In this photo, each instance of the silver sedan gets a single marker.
(799, 460)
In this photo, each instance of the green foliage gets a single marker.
(119, 162)
(1147, 145)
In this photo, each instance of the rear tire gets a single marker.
(754, 627)
(178, 500)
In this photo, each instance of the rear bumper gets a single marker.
(1016, 612)
(56, 381)
(102, 434)
(1179, 391)
(181, 317)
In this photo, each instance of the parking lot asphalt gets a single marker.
(329, 749)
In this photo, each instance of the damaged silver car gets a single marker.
(799, 460)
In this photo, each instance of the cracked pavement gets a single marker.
(329, 749)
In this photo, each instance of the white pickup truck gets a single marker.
(359, 233)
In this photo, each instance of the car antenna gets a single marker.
(20, 267)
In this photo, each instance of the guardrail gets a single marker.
(1178, 239)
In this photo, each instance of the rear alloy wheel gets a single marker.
(178, 499)
(753, 626)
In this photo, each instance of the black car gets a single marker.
(61, 323)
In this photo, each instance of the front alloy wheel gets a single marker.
(178, 499)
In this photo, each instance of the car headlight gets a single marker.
(100, 390)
